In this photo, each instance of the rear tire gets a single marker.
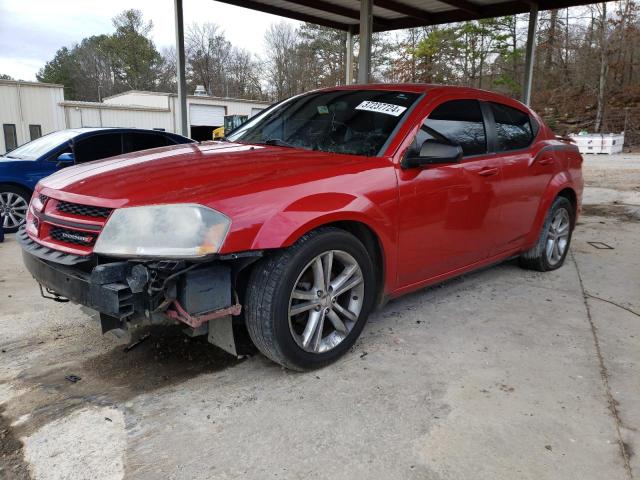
(14, 204)
(553, 243)
(298, 315)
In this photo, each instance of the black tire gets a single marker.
(269, 291)
(537, 258)
(24, 194)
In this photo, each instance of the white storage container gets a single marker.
(599, 143)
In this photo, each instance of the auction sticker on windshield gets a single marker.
(379, 107)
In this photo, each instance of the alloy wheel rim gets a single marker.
(13, 208)
(558, 236)
(326, 301)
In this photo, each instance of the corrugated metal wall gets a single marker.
(83, 115)
(30, 103)
(25, 103)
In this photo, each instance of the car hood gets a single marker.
(191, 173)
(9, 162)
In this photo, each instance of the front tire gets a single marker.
(14, 203)
(306, 305)
(553, 243)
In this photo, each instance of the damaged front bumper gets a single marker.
(200, 295)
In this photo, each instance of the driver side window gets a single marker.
(459, 122)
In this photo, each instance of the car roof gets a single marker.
(425, 88)
(80, 130)
(85, 131)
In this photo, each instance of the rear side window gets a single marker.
(460, 122)
(98, 147)
(513, 128)
(134, 142)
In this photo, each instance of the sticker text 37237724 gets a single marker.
(380, 107)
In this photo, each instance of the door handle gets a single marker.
(546, 161)
(488, 171)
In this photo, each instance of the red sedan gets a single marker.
(308, 216)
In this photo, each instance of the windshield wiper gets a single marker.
(277, 142)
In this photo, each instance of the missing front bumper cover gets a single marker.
(199, 296)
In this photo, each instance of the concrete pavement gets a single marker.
(501, 374)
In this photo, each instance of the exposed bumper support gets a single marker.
(111, 298)
(123, 292)
(195, 321)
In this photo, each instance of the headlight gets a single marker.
(167, 231)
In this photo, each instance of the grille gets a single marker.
(74, 237)
(84, 210)
(43, 199)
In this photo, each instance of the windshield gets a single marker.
(357, 122)
(38, 147)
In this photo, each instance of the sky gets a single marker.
(31, 31)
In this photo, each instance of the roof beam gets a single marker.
(489, 11)
(405, 9)
(283, 12)
(323, 6)
(463, 5)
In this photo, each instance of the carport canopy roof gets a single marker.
(397, 14)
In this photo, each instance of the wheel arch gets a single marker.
(560, 186)
(364, 232)
(368, 237)
(570, 194)
(15, 184)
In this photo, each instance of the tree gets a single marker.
(61, 70)
(286, 72)
(4, 76)
(103, 65)
(207, 52)
(604, 66)
(135, 61)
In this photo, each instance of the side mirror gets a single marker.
(433, 152)
(65, 159)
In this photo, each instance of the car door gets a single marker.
(526, 172)
(97, 146)
(448, 212)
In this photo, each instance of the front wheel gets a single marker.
(14, 203)
(552, 247)
(306, 305)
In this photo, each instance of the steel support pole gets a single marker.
(530, 54)
(348, 64)
(181, 67)
(366, 29)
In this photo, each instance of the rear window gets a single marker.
(513, 128)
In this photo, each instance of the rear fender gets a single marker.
(559, 182)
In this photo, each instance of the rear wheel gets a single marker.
(553, 244)
(14, 203)
(307, 305)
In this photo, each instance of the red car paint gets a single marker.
(432, 223)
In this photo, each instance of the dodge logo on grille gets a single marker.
(76, 237)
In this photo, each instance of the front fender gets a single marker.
(287, 226)
(16, 182)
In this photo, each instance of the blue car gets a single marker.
(22, 168)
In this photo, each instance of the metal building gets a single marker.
(31, 109)
(27, 111)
